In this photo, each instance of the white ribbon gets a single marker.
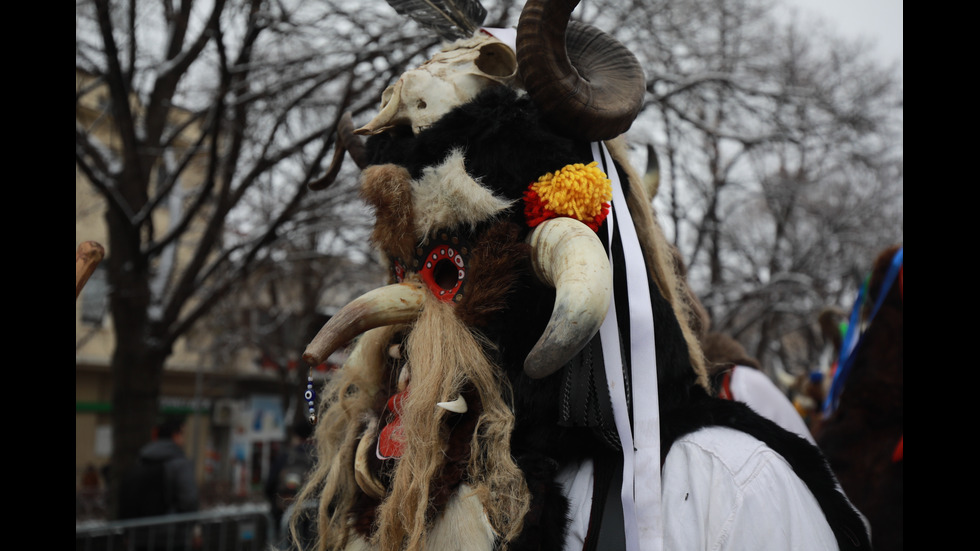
(641, 447)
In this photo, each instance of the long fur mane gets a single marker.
(445, 357)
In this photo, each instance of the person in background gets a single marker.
(289, 470)
(737, 376)
(90, 491)
(163, 480)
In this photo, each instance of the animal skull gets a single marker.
(449, 79)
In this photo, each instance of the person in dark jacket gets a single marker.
(182, 494)
(165, 482)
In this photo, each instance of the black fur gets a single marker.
(504, 141)
(547, 521)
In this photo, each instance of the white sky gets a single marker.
(879, 20)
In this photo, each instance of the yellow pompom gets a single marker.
(577, 190)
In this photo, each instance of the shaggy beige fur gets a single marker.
(447, 197)
(443, 356)
(352, 392)
(463, 527)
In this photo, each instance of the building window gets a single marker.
(94, 297)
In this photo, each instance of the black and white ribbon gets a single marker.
(641, 440)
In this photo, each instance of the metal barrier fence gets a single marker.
(239, 528)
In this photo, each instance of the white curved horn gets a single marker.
(567, 255)
(398, 303)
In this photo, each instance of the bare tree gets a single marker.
(781, 156)
(818, 206)
(209, 110)
(277, 311)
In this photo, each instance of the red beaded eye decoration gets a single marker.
(443, 268)
(398, 270)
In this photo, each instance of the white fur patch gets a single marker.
(463, 525)
(447, 197)
(357, 543)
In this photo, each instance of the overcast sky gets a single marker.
(878, 20)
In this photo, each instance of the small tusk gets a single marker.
(456, 406)
(403, 376)
(395, 352)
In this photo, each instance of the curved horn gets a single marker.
(398, 303)
(587, 83)
(87, 258)
(363, 476)
(785, 380)
(353, 143)
(567, 255)
(347, 142)
(651, 178)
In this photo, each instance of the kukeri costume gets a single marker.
(532, 330)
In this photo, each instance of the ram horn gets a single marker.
(588, 84)
(347, 142)
(568, 256)
(651, 178)
(390, 305)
